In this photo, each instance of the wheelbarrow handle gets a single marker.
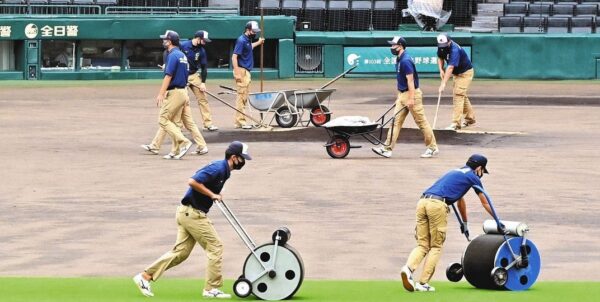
(227, 87)
(339, 76)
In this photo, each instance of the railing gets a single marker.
(35, 9)
(139, 10)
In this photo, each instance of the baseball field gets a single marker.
(83, 208)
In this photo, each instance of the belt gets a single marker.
(403, 90)
(190, 206)
(175, 88)
(191, 73)
(431, 196)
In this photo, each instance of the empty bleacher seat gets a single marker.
(539, 9)
(13, 1)
(108, 2)
(534, 24)
(38, 2)
(558, 25)
(314, 12)
(515, 9)
(563, 10)
(574, 2)
(586, 10)
(292, 8)
(385, 15)
(582, 25)
(337, 15)
(60, 2)
(83, 2)
(269, 7)
(595, 2)
(360, 15)
(510, 24)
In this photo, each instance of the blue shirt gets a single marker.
(196, 55)
(213, 176)
(177, 67)
(458, 58)
(404, 67)
(243, 48)
(455, 184)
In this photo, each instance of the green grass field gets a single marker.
(123, 289)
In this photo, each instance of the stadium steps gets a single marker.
(486, 19)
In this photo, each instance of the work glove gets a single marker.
(464, 228)
(502, 228)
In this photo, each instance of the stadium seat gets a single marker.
(385, 15)
(107, 2)
(337, 15)
(582, 25)
(314, 12)
(292, 8)
(558, 25)
(515, 9)
(83, 2)
(510, 25)
(269, 7)
(360, 15)
(539, 9)
(563, 10)
(534, 24)
(586, 10)
(38, 2)
(574, 2)
(595, 2)
(60, 2)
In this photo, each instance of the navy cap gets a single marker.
(397, 40)
(238, 148)
(172, 36)
(202, 34)
(478, 160)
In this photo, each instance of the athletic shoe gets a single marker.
(407, 279)
(150, 149)
(212, 128)
(429, 153)
(465, 124)
(215, 293)
(424, 287)
(382, 152)
(452, 126)
(169, 156)
(143, 285)
(183, 150)
(247, 127)
(202, 151)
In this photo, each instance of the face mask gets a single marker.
(479, 173)
(252, 36)
(237, 165)
(165, 44)
(394, 51)
(443, 52)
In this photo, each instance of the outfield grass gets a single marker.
(123, 289)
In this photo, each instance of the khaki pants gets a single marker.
(418, 114)
(193, 226)
(195, 82)
(172, 105)
(432, 223)
(182, 119)
(241, 100)
(461, 102)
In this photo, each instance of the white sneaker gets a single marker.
(452, 126)
(424, 287)
(143, 285)
(465, 124)
(150, 149)
(407, 279)
(212, 128)
(183, 150)
(215, 293)
(429, 153)
(382, 152)
(202, 151)
(247, 127)
(169, 156)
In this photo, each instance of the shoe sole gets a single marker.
(187, 148)
(140, 288)
(380, 154)
(149, 150)
(406, 283)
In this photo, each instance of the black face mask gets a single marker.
(252, 36)
(394, 51)
(443, 52)
(240, 163)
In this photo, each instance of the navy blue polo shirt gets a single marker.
(243, 48)
(458, 58)
(455, 184)
(177, 67)
(212, 176)
(404, 67)
(196, 55)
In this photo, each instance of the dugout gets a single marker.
(128, 47)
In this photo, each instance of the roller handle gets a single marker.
(501, 227)
(463, 229)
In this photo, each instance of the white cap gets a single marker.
(443, 40)
(253, 25)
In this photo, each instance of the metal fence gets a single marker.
(35, 9)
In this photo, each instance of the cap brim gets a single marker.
(207, 40)
(485, 170)
(246, 156)
(163, 37)
(443, 44)
(392, 43)
(256, 31)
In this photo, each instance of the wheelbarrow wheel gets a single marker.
(286, 118)
(338, 147)
(319, 116)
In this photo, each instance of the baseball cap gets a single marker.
(172, 36)
(253, 25)
(238, 148)
(477, 160)
(202, 34)
(443, 40)
(397, 40)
